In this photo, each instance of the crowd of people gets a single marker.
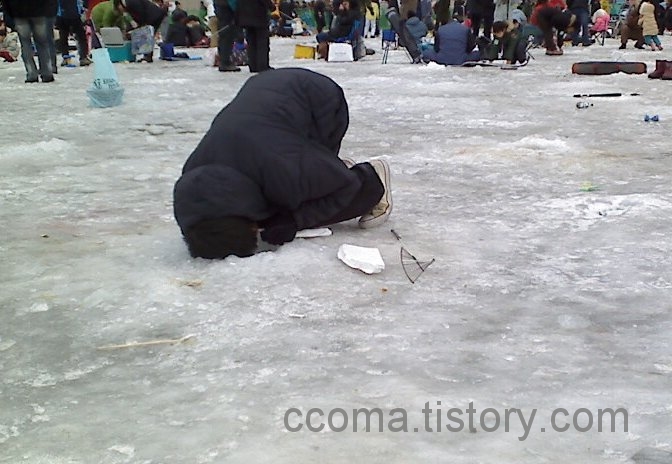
(446, 32)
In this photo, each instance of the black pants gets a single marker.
(368, 196)
(66, 26)
(549, 36)
(226, 34)
(258, 48)
(487, 20)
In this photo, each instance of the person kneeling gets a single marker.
(240, 193)
(508, 44)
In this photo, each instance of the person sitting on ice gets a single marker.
(196, 36)
(10, 49)
(453, 45)
(177, 30)
(240, 193)
(348, 13)
(600, 20)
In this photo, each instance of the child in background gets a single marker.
(647, 19)
(9, 44)
(600, 21)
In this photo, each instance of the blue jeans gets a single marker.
(583, 22)
(322, 37)
(38, 30)
(649, 39)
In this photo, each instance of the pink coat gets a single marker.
(601, 24)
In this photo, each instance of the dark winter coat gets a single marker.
(30, 8)
(273, 148)
(453, 44)
(254, 13)
(145, 12)
(344, 24)
(320, 18)
(480, 7)
(442, 10)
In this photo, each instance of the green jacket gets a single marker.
(105, 15)
(506, 45)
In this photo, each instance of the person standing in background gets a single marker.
(226, 31)
(32, 19)
(647, 20)
(69, 20)
(481, 12)
(442, 11)
(253, 16)
(581, 9)
(320, 19)
(372, 14)
(53, 10)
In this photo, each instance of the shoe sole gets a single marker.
(367, 221)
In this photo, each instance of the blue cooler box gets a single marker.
(121, 53)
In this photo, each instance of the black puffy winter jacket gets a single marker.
(273, 148)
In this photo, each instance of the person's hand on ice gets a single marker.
(279, 229)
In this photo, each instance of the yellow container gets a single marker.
(304, 51)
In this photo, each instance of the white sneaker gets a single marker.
(349, 162)
(381, 212)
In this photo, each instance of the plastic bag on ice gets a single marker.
(105, 90)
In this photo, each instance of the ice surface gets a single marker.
(536, 299)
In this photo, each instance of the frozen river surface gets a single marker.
(551, 286)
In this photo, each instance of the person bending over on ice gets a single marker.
(143, 13)
(563, 22)
(269, 166)
(508, 44)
